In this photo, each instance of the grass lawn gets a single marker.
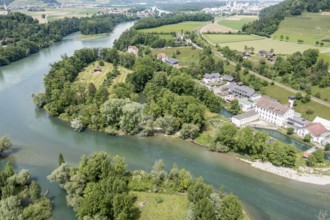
(183, 26)
(280, 47)
(166, 36)
(282, 96)
(325, 56)
(324, 92)
(228, 38)
(186, 57)
(90, 76)
(237, 22)
(174, 206)
(310, 27)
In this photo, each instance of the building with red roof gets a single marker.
(316, 130)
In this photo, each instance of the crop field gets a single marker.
(186, 55)
(236, 22)
(173, 206)
(308, 27)
(229, 38)
(280, 47)
(183, 26)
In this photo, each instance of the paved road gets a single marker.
(317, 100)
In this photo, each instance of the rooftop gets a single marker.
(299, 120)
(315, 128)
(244, 101)
(247, 91)
(324, 122)
(245, 115)
(272, 105)
(211, 75)
(172, 61)
(228, 78)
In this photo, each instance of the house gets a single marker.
(268, 55)
(246, 55)
(228, 78)
(324, 122)
(133, 49)
(162, 57)
(315, 130)
(179, 36)
(172, 62)
(246, 104)
(245, 118)
(273, 112)
(243, 91)
(211, 78)
(4, 10)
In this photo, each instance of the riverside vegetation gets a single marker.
(21, 35)
(100, 187)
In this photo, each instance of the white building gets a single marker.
(133, 49)
(273, 112)
(316, 130)
(211, 78)
(245, 118)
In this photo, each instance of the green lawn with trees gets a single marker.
(101, 187)
(309, 27)
(176, 28)
(187, 56)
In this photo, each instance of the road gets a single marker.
(317, 100)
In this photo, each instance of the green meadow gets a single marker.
(183, 26)
(309, 27)
(185, 55)
(237, 22)
(229, 38)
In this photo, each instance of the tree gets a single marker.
(327, 147)
(77, 124)
(60, 159)
(287, 38)
(307, 138)
(5, 144)
(315, 158)
(204, 210)
(189, 131)
(39, 99)
(281, 37)
(231, 208)
(131, 118)
(234, 107)
(34, 191)
(290, 131)
(280, 154)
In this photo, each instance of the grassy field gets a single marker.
(173, 206)
(228, 38)
(280, 47)
(183, 26)
(186, 57)
(90, 76)
(324, 92)
(55, 14)
(310, 27)
(236, 22)
(325, 56)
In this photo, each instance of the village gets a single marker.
(266, 112)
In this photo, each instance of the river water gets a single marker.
(38, 139)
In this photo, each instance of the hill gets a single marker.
(270, 18)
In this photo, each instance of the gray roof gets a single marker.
(245, 115)
(228, 78)
(172, 61)
(247, 91)
(211, 75)
(299, 120)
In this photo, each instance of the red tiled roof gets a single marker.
(272, 105)
(315, 128)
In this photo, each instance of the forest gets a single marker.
(101, 187)
(270, 18)
(152, 22)
(21, 35)
(174, 100)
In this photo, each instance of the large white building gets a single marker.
(245, 118)
(273, 112)
(316, 130)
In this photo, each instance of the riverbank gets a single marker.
(302, 174)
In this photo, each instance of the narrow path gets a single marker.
(317, 100)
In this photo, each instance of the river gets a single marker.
(38, 139)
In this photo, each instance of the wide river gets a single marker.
(38, 139)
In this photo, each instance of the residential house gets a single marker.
(133, 49)
(315, 130)
(172, 62)
(273, 112)
(324, 122)
(228, 78)
(245, 118)
(243, 91)
(211, 78)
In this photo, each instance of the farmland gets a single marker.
(186, 55)
(183, 26)
(173, 206)
(228, 38)
(280, 47)
(307, 27)
(236, 22)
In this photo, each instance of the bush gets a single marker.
(189, 131)
(158, 199)
(290, 131)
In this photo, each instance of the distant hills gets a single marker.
(270, 18)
